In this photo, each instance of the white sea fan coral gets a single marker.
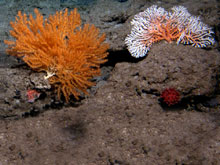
(139, 41)
(155, 24)
(196, 33)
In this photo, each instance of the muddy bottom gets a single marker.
(115, 125)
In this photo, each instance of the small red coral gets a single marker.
(170, 96)
(32, 95)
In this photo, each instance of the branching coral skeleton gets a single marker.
(155, 24)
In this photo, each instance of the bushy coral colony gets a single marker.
(155, 24)
(70, 54)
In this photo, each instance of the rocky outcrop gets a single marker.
(192, 71)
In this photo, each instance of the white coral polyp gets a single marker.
(191, 29)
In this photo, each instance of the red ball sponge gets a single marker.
(170, 96)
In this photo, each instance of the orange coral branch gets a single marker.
(70, 54)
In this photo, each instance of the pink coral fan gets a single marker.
(170, 96)
(155, 24)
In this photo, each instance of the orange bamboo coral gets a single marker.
(70, 54)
